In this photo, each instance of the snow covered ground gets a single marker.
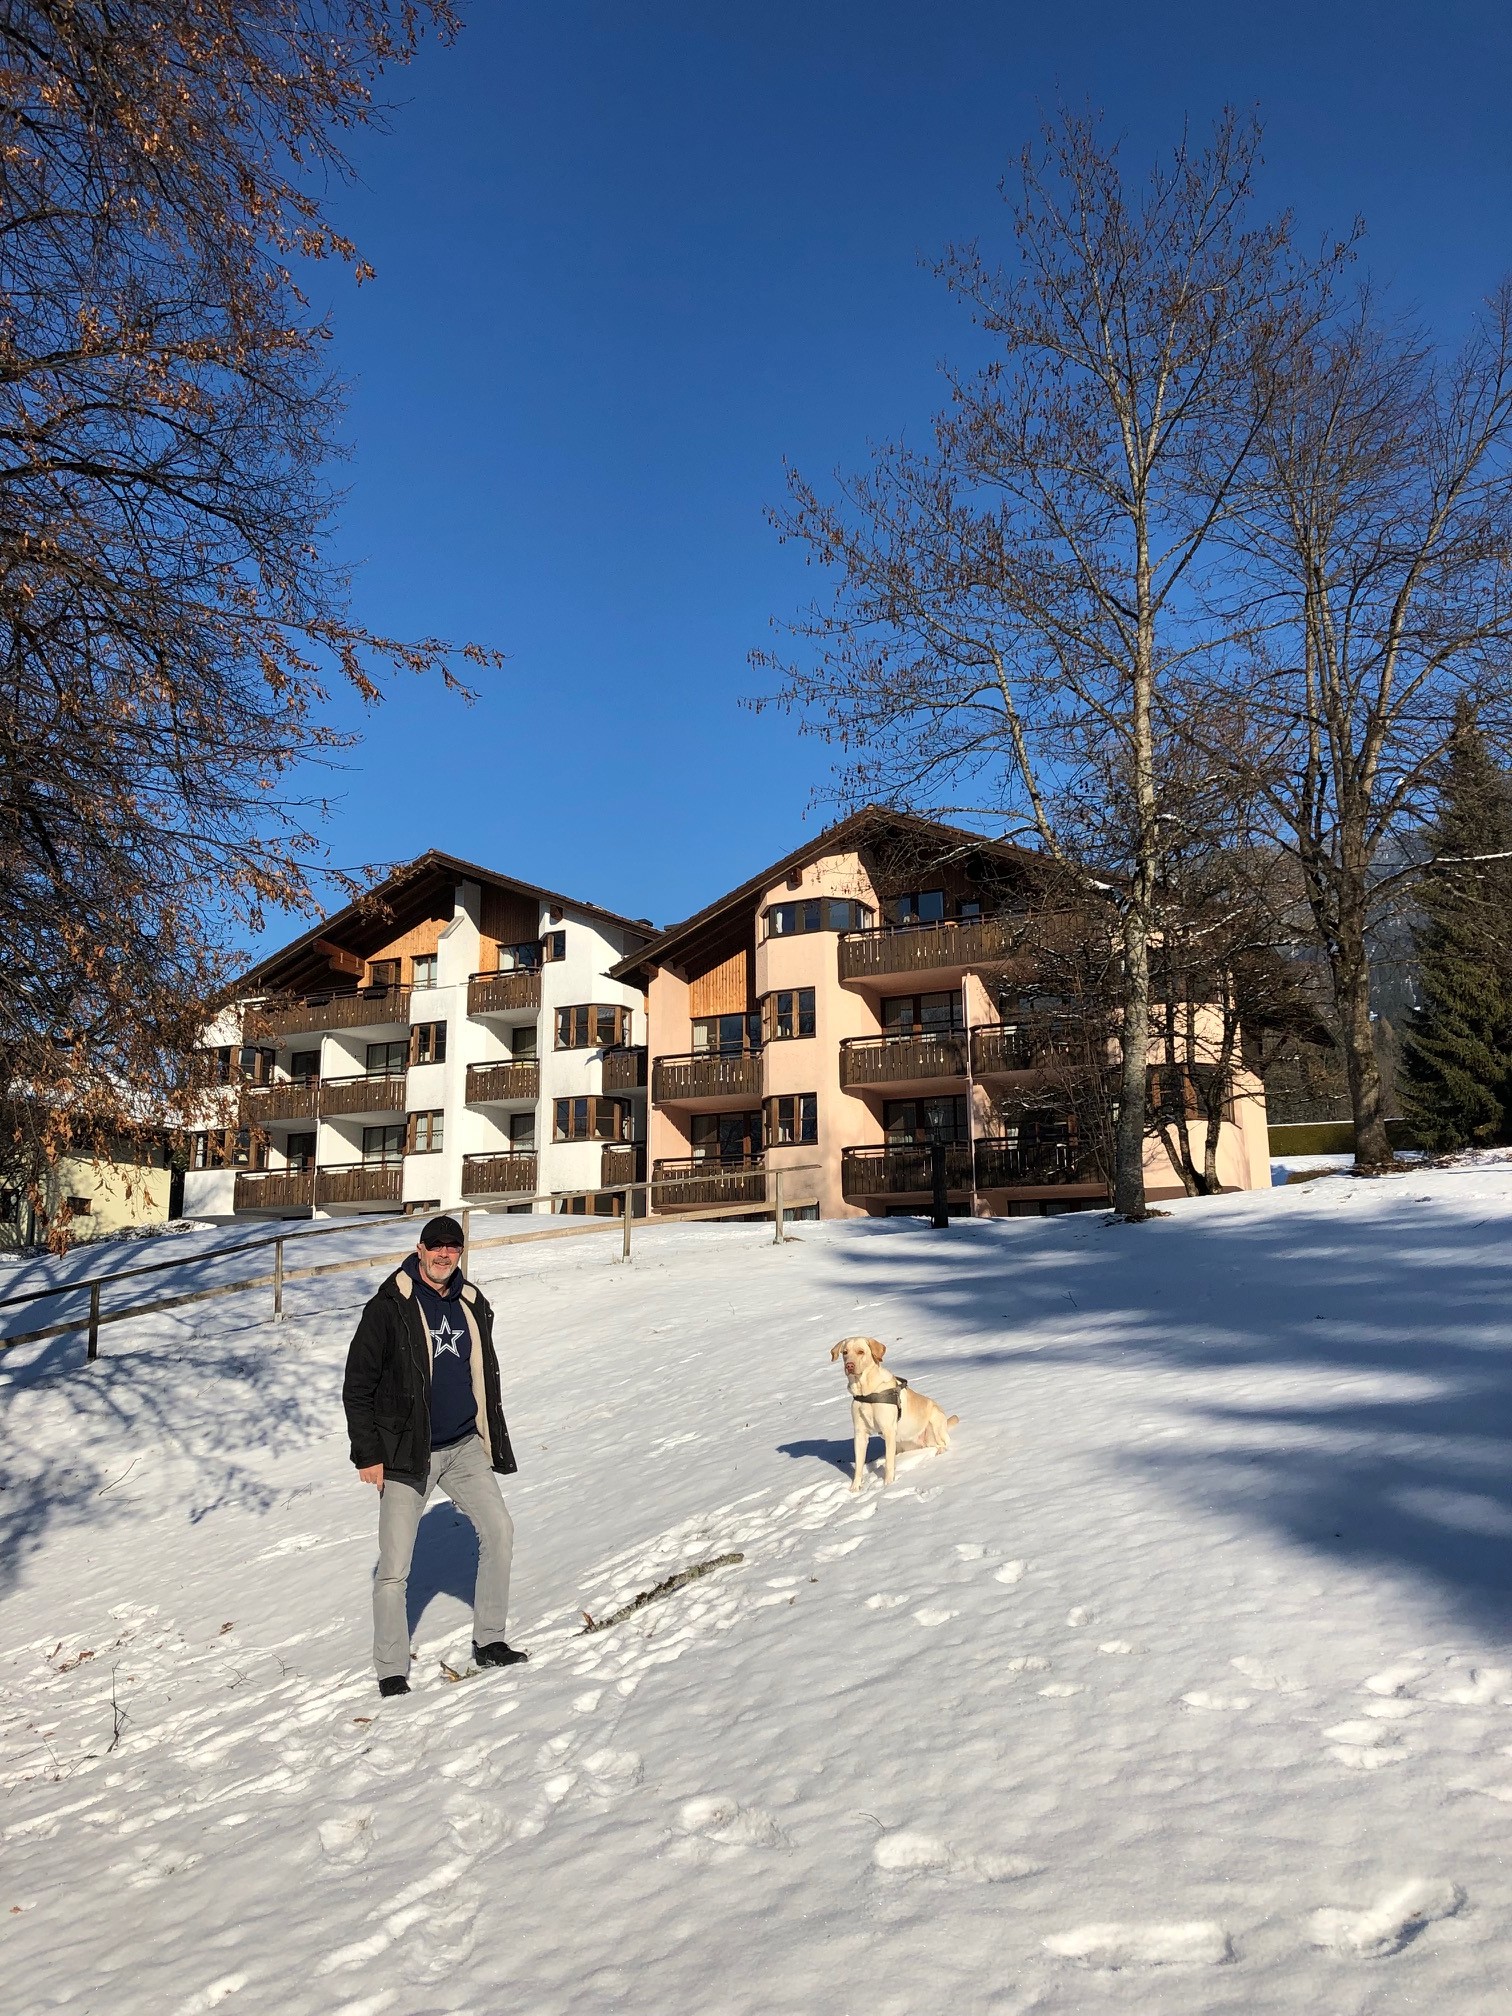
(1182, 1684)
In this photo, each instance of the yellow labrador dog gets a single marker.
(887, 1407)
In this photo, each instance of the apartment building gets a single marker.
(455, 1037)
(859, 1001)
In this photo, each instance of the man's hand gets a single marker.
(373, 1474)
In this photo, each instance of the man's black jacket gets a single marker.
(386, 1392)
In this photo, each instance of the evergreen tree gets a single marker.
(1456, 1077)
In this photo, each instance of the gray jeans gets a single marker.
(463, 1473)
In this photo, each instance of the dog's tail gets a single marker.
(953, 1421)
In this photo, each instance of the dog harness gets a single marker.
(891, 1398)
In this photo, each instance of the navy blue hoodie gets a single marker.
(453, 1403)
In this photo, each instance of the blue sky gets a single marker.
(631, 257)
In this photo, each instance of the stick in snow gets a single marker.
(677, 1581)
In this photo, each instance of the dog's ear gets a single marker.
(878, 1350)
(836, 1353)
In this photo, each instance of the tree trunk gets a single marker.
(1128, 1173)
(1351, 977)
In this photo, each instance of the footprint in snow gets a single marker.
(837, 1548)
(1061, 1690)
(1260, 1675)
(885, 1602)
(970, 1550)
(1395, 1679)
(1364, 1745)
(931, 1620)
(1010, 1572)
(1199, 1943)
(905, 1853)
(346, 1837)
(1388, 1925)
(718, 1828)
(1116, 1648)
(1217, 1704)
(1079, 1616)
(1484, 1687)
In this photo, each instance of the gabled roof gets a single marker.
(426, 874)
(870, 823)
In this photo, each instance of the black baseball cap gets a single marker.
(442, 1231)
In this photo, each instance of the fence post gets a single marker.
(628, 1204)
(278, 1280)
(778, 1235)
(937, 1184)
(466, 1236)
(94, 1321)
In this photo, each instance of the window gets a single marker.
(591, 1120)
(385, 1060)
(425, 1133)
(520, 958)
(227, 1148)
(913, 1120)
(247, 1065)
(383, 1144)
(383, 973)
(919, 906)
(817, 913)
(301, 1151)
(428, 1043)
(788, 1013)
(522, 1132)
(591, 1026)
(522, 1042)
(304, 1067)
(726, 1137)
(907, 1014)
(792, 1119)
(726, 1035)
(79, 1207)
(423, 970)
(554, 946)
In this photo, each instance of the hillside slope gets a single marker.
(1182, 1684)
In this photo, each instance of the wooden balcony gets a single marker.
(382, 1092)
(1014, 1165)
(943, 951)
(274, 1190)
(360, 1183)
(624, 1069)
(272, 1105)
(499, 1175)
(1000, 1048)
(902, 1169)
(623, 1162)
(313, 1014)
(897, 1061)
(686, 1184)
(491, 1084)
(704, 1077)
(503, 993)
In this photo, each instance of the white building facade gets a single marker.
(451, 1040)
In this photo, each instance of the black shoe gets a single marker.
(498, 1654)
(393, 1683)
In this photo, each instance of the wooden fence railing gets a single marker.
(775, 1203)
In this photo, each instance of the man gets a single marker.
(423, 1409)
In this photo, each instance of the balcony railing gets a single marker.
(360, 1183)
(359, 1008)
(895, 1060)
(1007, 1165)
(684, 1185)
(499, 1175)
(265, 1105)
(704, 1074)
(624, 1070)
(623, 1162)
(515, 1079)
(273, 1189)
(998, 1048)
(902, 1168)
(503, 993)
(382, 1092)
(928, 948)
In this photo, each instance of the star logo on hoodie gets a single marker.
(447, 1341)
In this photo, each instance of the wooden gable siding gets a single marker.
(421, 938)
(726, 989)
(508, 918)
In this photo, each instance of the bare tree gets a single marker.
(170, 620)
(1376, 532)
(1017, 605)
